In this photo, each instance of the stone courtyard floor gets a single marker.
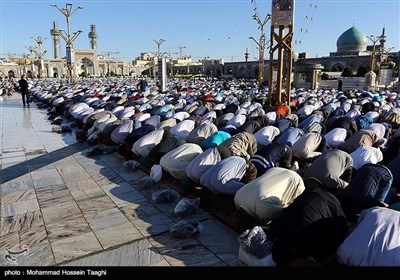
(73, 210)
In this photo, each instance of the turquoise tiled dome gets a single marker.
(352, 39)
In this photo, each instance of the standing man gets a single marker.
(23, 87)
(340, 85)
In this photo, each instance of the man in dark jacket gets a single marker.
(24, 89)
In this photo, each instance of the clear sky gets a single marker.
(213, 28)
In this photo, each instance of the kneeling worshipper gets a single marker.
(363, 137)
(365, 155)
(143, 145)
(253, 125)
(367, 189)
(266, 135)
(215, 139)
(176, 161)
(166, 145)
(228, 175)
(329, 168)
(200, 133)
(343, 122)
(207, 159)
(309, 230)
(273, 155)
(309, 146)
(394, 167)
(393, 148)
(183, 128)
(243, 144)
(265, 197)
(290, 136)
(335, 137)
(375, 241)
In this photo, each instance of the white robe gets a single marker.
(182, 129)
(147, 142)
(266, 135)
(200, 164)
(335, 137)
(224, 177)
(265, 197)
(364, 155)
(375, 241)
(176, 161)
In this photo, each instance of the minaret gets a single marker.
(55, 32)
(93, 37)
(382, 40)
(246, 55)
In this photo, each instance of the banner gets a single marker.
(385, 75)
(282, 12)
(69, 55)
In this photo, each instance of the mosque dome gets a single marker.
(351, 40)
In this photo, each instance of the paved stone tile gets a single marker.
(85, 184)
(153, 224)
(139, 253)
(41, 167)
(10, 241)
(140, 210)
(184, 252)
(61, 212)
(70, 170)
(19, 207)
(33, 236)
(221, 241)
(72, 226)
(117, 235)
(161, 263)
(13, 155)
(40, 255)
(10, 161)
(75, 246)
(105, 219)
(121, 199)
(16, 184)
(106, 176)
(46, 178)
(12, 197)
(53, 195)
(76, 177)
(20, 222)
(130, 176)
(87, 194)
(92, 206)
(112, 159)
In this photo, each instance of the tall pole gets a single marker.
(261, 45)
(31, 49)
(373, 55)
(68, 12)
(158, 42)
(39, 40)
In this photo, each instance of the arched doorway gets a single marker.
(337, 68)
(242, 72)
(256, 72)
(86, 67)
(29, 74)
(11, 74)
(55, 72)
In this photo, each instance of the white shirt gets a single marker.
(335, 137)
(375, 241)
(265, 197)
(365, 155)
(266, 135)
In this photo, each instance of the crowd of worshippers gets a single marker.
(321, 174)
